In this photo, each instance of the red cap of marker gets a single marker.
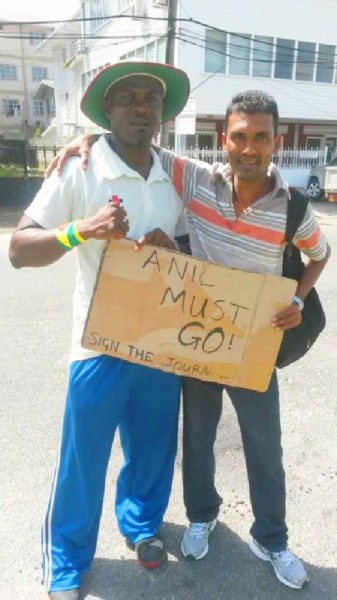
(116, 200)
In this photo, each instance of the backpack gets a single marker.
(297, 341)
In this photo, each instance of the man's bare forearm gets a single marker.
(310, 275)
(32, 246)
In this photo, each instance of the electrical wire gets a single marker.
(223, 67)
(188, 37)
(148, 18)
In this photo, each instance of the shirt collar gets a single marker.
(112, 166)
(280, 185)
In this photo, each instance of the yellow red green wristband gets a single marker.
(62, 238)
(77, 233)
(69, 237)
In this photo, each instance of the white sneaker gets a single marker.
(195, 541)
(288, 568)
(73, 594)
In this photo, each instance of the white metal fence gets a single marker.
(287, 158)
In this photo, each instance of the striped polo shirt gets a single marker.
(253, 241)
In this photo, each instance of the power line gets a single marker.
(184, 9)
(183, 39)
(247, 59)
(190, 20)
(76, 37)
(232, 45)
(187, 36)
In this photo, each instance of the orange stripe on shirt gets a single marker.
(311, 241)
(259, 233)
(178, 172)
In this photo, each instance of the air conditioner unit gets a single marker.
(79, 47)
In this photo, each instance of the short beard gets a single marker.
(143, 141)
(247, 176)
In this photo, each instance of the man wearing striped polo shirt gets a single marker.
(237, 217)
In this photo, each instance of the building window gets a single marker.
(151, 51)
(140, 53)
(161, 50)
(238, 50)
(38, 108)
(8, 72)
(87, 77)
(10, 107)
(305, 61)
(215, 51)
(325, 63)
(154, 51)
(50, 103)
(39, 73)
(262, 56)
(35, 37)
(284, 58)
(199, 140)
(100, 11)
(313, 143)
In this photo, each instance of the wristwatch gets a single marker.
(299, 302)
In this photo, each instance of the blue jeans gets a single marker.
(259, 420)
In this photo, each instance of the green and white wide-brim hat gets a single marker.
(174, 81)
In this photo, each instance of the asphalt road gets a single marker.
(35, 321)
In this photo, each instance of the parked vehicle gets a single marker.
(330, 183)
(316, 180)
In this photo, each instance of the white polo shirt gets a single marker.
(77, 194)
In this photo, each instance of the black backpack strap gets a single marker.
(297, 205)
(292, 261)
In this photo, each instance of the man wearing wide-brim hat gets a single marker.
(124, 193)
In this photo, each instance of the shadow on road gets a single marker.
(230, 571)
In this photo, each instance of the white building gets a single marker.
(285, 48)
(21, 71)
(79, 51)
(64, 48)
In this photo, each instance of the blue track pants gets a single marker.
(105, 393)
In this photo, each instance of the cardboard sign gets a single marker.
(174, 312)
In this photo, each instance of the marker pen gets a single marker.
(116, 200)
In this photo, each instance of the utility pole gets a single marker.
(169, 58)
(26, 98)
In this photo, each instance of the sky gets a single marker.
(38, 10)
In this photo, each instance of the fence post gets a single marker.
(25, 171)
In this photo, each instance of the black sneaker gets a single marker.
(150, 552)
